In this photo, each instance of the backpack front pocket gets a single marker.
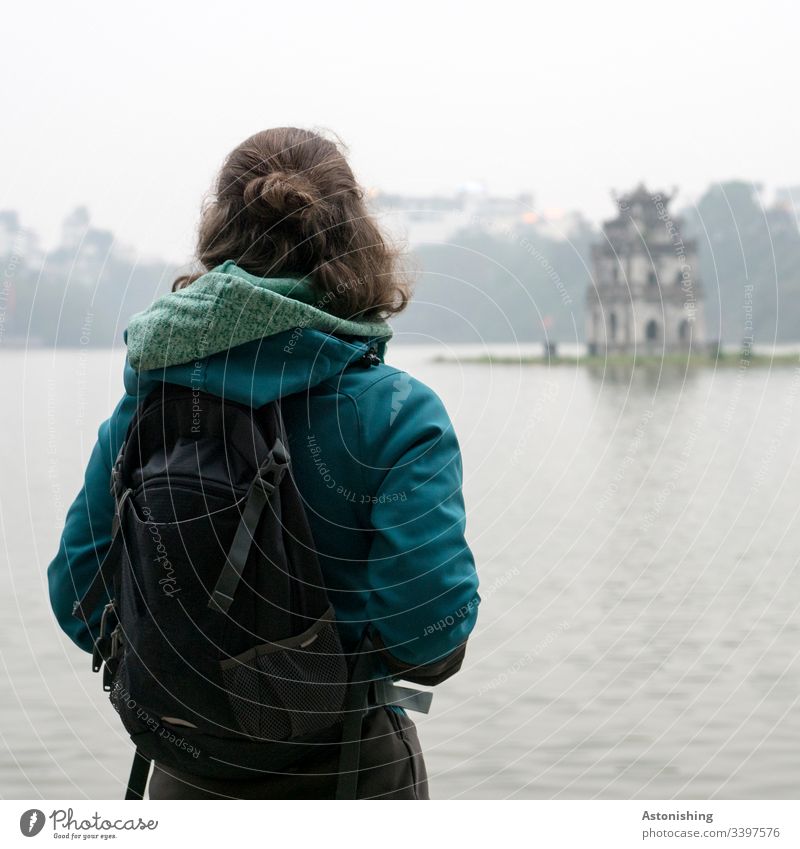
(290, 688)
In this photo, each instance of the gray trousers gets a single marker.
(391, 767)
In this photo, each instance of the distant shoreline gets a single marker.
(721, 360)
(725, 358)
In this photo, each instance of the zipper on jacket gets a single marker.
(371, 358)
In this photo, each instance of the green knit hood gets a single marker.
(228, 307)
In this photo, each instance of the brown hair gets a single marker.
(287, 203)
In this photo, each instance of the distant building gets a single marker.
(16, 240)
(645, 295)
(84, 250)
(427, 219)
(784, 214)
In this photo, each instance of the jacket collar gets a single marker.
(228, 307)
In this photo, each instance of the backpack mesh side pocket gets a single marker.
(288, 689)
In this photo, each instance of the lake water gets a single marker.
(638, 541)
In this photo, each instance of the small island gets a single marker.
(644, 303)
(693, 359)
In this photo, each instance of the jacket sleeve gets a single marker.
(423, 597)
(87, 531)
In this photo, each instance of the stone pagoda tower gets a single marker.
(644, 295)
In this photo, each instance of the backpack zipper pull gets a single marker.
(371, 358)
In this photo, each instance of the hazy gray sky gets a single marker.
(129, 108)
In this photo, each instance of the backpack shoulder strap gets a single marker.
(356, 706)
(137, 781)
(264, 484)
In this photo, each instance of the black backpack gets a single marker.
(219, 643)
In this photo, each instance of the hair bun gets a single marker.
(281, 195)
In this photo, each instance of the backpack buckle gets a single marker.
(101, 650)
(115, 642)
(274, 467)
(116, 474)
(107, 611)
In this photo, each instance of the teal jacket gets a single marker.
(373, 453)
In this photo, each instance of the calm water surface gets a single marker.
(637, 537)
